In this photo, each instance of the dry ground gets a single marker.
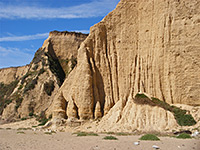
(10, 139)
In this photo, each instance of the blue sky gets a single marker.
(25, 24)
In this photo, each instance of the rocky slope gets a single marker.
(29, 90)
(142, 46)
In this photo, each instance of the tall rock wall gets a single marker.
(149, 46)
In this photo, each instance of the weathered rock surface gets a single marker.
(142, 46)
(39, 81)
(64, 46)
(149, 47)
(8, 75)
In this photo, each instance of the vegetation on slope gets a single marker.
(49, 87)
(68, 64)
(182, 117)
(38, 56)
(6, 91)
(56, 69)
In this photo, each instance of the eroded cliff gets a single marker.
(29, 91)
(142, 46)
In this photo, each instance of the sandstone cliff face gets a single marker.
(142, 46)
(34, 86)
(64, 46)
(8, 75)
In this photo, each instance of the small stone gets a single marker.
(137, 143)
(155, 147)
(95, 148)
(196, 133)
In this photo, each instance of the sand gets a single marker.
(11, 139)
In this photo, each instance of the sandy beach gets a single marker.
(12, 139)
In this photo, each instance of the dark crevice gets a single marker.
(77, 113)
(56, 68)
(139, 77)
(110, 73)
(163, 97)
(93, 86)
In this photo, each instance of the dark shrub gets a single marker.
(149, 137)
(30, 85)
(184, 136)
(49, 87)
(41, 71)
(73, 62)
(56, 69)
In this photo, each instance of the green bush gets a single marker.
(38, 56)
(22, 129)
(8, 101)
(35, 67)
(5, 92)
(81, 134)
(43, 122)
(142, 99)
(25, 76)
(110, 138)
(185, 119)
(20, 132)
(18, 100)
(86, 134)
(48, 133)
(110, 132)
(31, 114)
(140, 96)
(180, 115)
(23, 118)
(149, 137)
(30, 85)
(122, 134)
(42, 119)
(73, 62)
(184, 136)
(41, 71)
(56, 69)
(20, 87)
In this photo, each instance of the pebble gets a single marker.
(155, 147)
(136, 143)
(196, 133)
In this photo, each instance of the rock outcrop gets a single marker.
(63, 46)
(31, 89)
(142, 46)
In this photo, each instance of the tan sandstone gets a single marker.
(142, 46)
(59, 46)
(7, 75)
